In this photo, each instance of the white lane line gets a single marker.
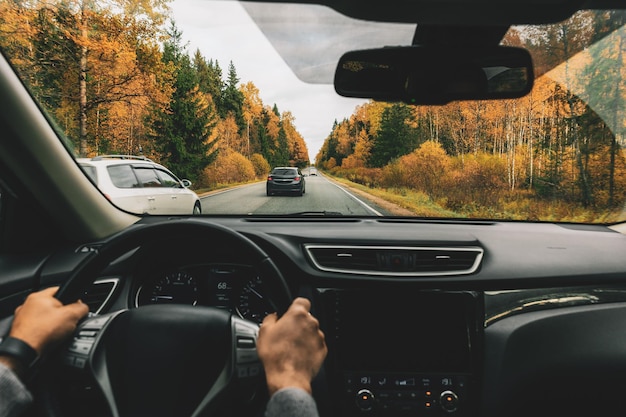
(357, 200)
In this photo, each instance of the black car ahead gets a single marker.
(285, 180)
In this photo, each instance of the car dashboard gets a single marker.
(433, 318)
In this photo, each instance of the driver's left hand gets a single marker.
(42, 321)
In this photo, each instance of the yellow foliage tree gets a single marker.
(229, 167)
(426, 168)
(228, 134)
(260, 164)
(298, 152)
(480, 179)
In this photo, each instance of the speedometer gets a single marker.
(176, 287)
(254, 304)
(235, 288)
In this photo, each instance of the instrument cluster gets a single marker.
(236, 288)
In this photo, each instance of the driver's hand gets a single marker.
(291, 348)
(43, 321)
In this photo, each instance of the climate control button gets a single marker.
(449, 401)
(365, 400)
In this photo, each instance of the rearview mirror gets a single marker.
(435, 75)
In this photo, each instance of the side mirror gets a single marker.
(186, 183)
(435, 75)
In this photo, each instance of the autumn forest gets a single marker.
(117, 78)
(549, 156)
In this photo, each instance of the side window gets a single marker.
(167, 179)
(122, 176)
(147, 177)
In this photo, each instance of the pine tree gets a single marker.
(395, 138)
(209, 76)
(232, 98)
(181, 130)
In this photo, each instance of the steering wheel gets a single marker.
(170, 360)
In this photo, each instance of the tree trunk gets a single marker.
(82, 86)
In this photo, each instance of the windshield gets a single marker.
(226, 96)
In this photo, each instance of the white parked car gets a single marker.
(140, 185)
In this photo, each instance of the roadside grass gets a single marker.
(556, 211)
(511, 207)
(418, 203)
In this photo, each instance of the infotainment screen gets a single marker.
(407, 332)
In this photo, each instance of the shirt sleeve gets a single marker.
(14, 396)
(289, 402)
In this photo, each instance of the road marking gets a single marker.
(365, 205)
(226, 190)
(357, 200)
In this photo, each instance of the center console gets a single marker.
(414, 353)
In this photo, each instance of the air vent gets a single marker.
(100, 292)
(396, 261)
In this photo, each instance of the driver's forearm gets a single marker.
(13, 364)
(14, 396)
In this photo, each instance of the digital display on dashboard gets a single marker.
(427, 332)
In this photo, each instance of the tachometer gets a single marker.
(176, 287)
(253, 302)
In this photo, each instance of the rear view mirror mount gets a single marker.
(435, 75)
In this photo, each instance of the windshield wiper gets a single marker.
(316, 213)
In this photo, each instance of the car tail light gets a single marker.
(296, 179)
(269, 178)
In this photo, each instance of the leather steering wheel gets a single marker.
(170, 360)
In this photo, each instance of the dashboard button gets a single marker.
(449, 401)
(365, 400)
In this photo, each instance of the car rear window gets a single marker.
(284, 171)
(122, 176)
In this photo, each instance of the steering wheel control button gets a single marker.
(95, 322)
(248, 371)
(246, 342)
(246, 356)
(80, 362)
(81, 347)
(254, 371)
(77, 353)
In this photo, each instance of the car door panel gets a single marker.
(180, 200)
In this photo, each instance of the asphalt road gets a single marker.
(321, 195)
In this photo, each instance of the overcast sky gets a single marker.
(213, 26)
